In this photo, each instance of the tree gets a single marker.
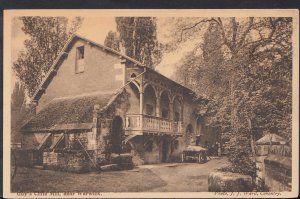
(203, 68)
(112, 41)
(46, 37)
(257, 63)
(19, 113)
(138, 37)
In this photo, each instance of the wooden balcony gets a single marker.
(139, 124)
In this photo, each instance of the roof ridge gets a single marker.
(62, 52)
(85, 95)
(110, 49)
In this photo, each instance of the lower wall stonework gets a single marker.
(72, 161)
(229, 182)
(26, 157)
(278, 172)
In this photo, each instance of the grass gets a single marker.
(36, 180)
(187, 177)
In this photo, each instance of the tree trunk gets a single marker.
(252, 137)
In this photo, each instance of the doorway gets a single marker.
(165, 150)
(117, 135)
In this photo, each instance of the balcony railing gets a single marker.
(152, 124)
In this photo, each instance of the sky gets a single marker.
(96, 29)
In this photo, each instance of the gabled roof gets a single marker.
(54, 67)
(271, 138)
(73, 112)
(63, 52)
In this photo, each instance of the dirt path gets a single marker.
(187, 177)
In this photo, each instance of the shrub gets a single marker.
(240, 157)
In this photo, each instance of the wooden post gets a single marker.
(157, 108)
(141, 108)
(251, 136)
(171, 116)
(90, 158)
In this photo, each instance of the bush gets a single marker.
(240, 157)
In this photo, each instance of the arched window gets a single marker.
(177, 107)
(116, 135)
(149, 101)
(189, 129)
(200, 126)
(165, 105)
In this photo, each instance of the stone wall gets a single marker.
(176, 148)
(145, 150)
(274, 166)
(71, 161)
(278, 172)
(27, 157)
(229, 182)
(148, 150)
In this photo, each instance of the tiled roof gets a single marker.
(74, 112)
(272, 137)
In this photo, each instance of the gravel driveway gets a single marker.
(185, 177)
(171, 177)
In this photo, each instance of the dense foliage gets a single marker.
(45, 38)
(19, 112)
(138, 36)
(112, 41)
(244, 66)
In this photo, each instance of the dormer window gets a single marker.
(79, 60)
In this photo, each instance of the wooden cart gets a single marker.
(195, 152)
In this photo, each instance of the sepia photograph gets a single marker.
(177, 103)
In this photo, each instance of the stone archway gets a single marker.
(117, 133)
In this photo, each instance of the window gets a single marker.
(176, 116)
(165, 113)
(80, 60)
(80, 51)
(133, 75)
(149, 109)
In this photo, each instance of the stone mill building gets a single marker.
(95, 101)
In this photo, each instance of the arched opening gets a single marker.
(149, 101)
(165, 150)
(200, 126)
(177, 107)
(189, 129)
(117, 133)
(165, 105)
(190, 137)
(200, 131)
(134, 99)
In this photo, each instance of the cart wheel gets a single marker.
(203, 158)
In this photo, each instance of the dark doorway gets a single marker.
(116, 135)
(165, 149)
